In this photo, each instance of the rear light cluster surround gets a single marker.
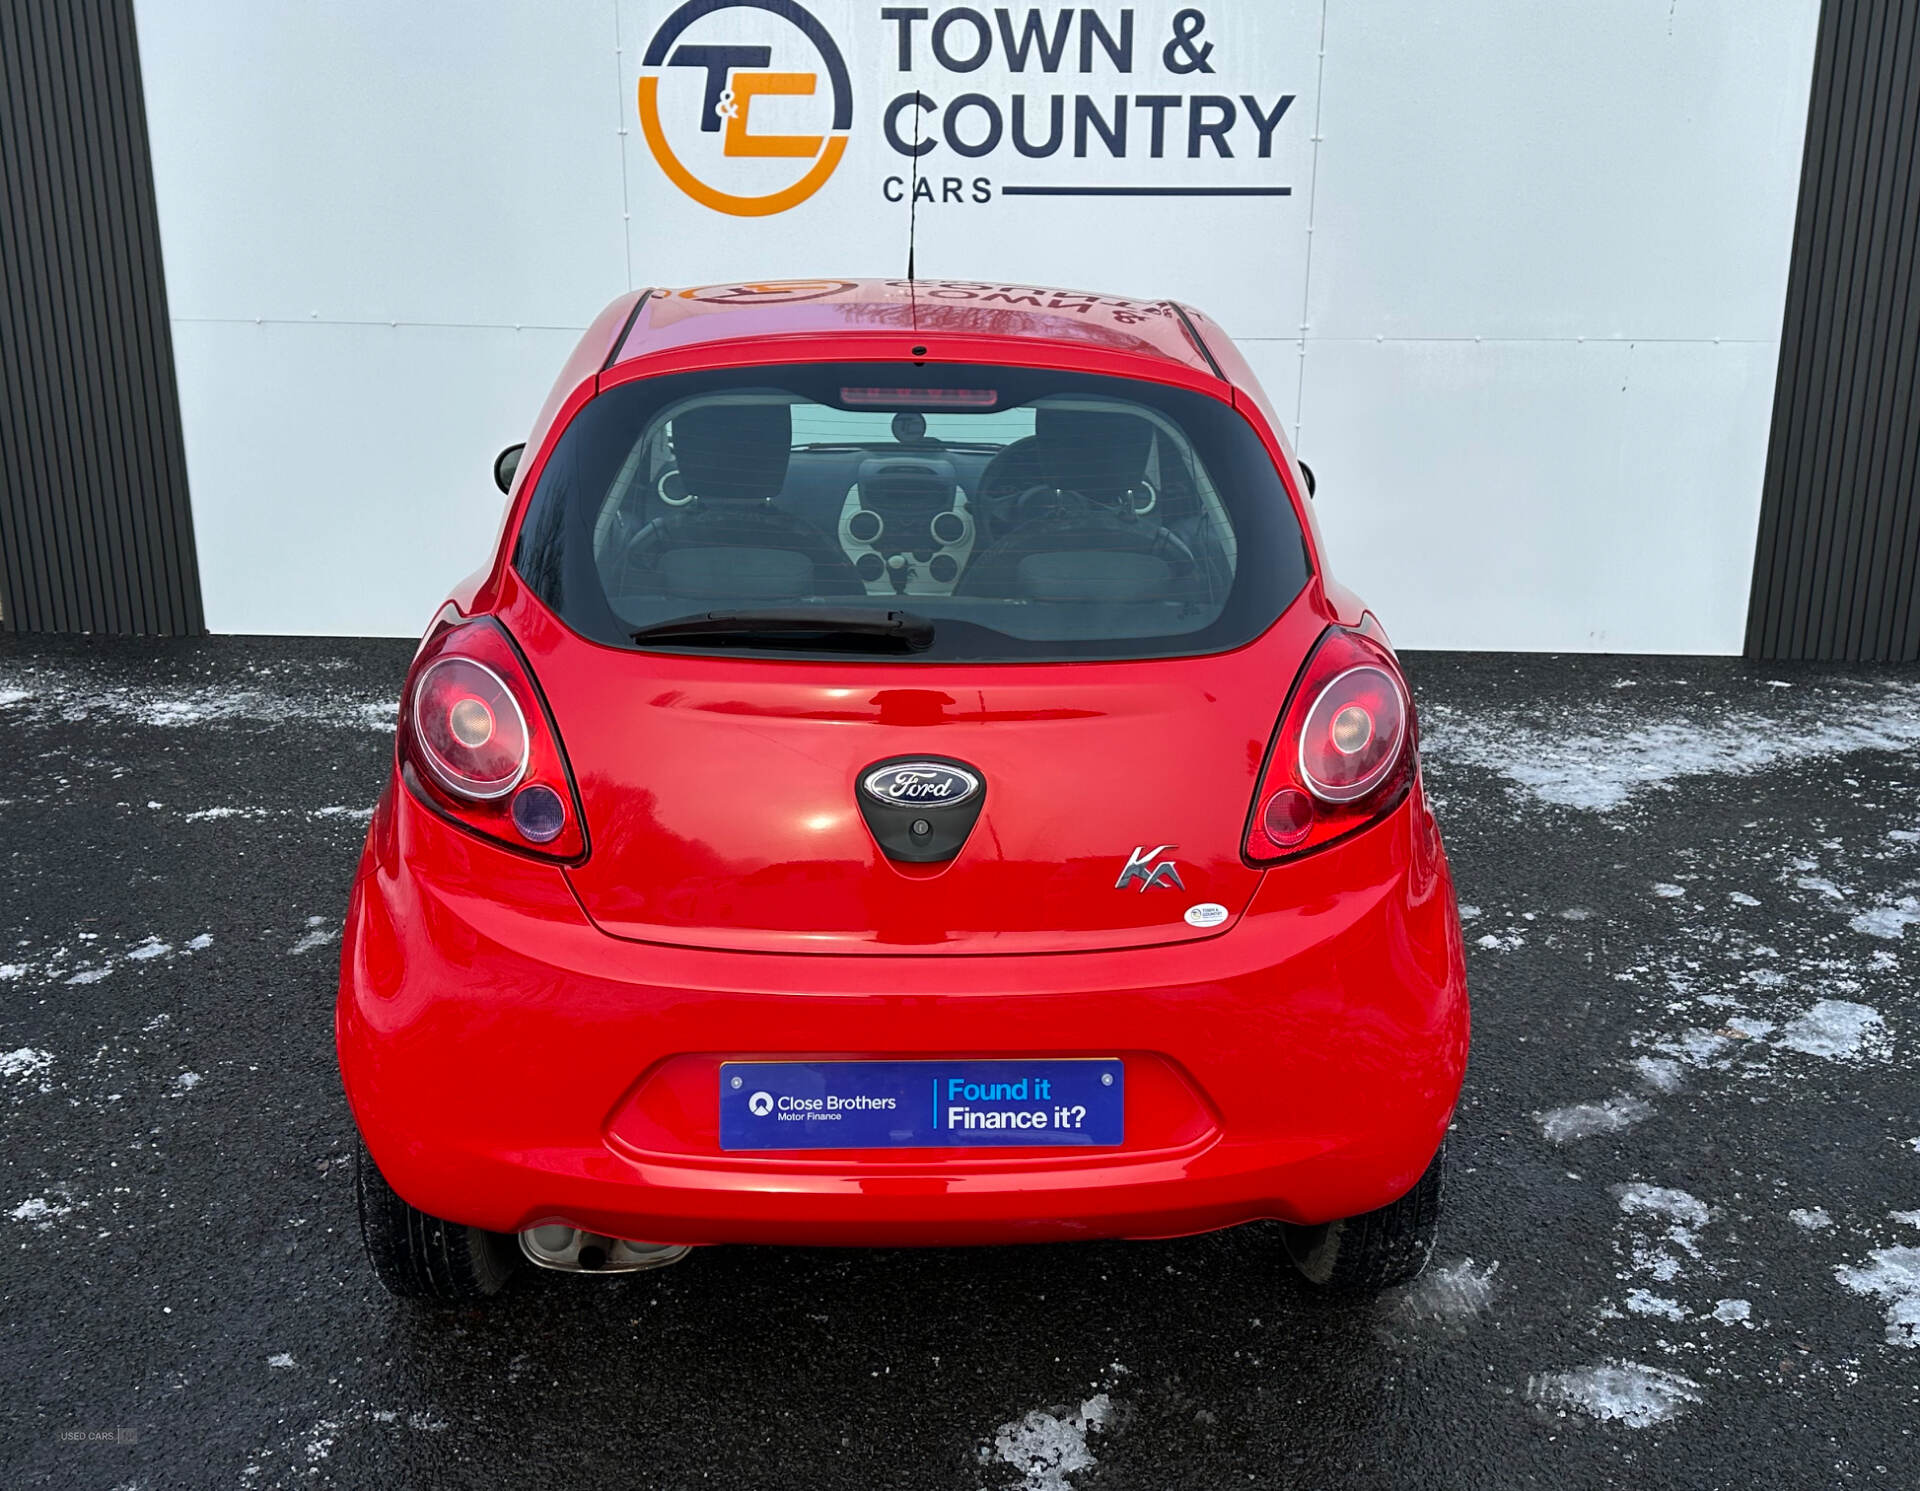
(477, 745)
(1343, 754)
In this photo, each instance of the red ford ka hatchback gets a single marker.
(906, 777)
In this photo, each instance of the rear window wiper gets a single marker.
(805, 626)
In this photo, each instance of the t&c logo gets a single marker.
(767, 292)
(711, 82)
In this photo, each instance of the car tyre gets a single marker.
(1376, 1249)
(417, 1256)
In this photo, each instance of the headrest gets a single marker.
(1092, 452)
(733, 450)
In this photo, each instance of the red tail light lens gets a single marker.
(1353, 734)
(471, 733)
(477, 746)
(1343, 753)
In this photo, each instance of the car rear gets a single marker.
(904, 802)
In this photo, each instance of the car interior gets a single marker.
(1089, 512)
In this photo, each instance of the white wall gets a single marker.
(1522, 305)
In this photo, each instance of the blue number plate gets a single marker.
(919, 1104)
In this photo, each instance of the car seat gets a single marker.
(1080, 536)
(730, 542)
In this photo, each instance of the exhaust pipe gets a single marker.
(572, 1251)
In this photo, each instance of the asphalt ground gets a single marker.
(1682, 1249)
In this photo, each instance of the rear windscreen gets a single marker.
(1028, 515)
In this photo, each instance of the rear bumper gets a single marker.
(508, 1064)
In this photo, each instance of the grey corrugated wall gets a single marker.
(1837, 570)
(95, 531)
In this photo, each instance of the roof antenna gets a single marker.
(913, 199)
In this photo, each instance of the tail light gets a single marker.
(477, 745)
(1343, 753)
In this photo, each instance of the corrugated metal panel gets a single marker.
(95, 531)
(1837, 569)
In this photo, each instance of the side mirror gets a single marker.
(1305, 470)
(508, 462)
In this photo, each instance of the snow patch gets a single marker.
(1449, 1292)
(1659, 1073)
(1605, 754)
(41, 1212)
(1888, 921)
(1697, 1047)
(1741, 898)
(1734, 1312)
(1046, 1448)
(178, 706)
(1813, 1218)
(282, 1360)
(317, 935)
(146, 950)
(1640, 1302)
(1662, 1238)
(187, 1081)
(1839, 1030)
(1640, 1199)
(1892, 1275)
(1619, 1392)
(336, 812)
(1668, 892)
(24, 1062)
(320, 1443)
(1581, 1120)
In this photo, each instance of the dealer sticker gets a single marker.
(921, 1104)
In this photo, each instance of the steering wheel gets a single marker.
(1007, 476)
(1044, 502)
(1013, 476)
